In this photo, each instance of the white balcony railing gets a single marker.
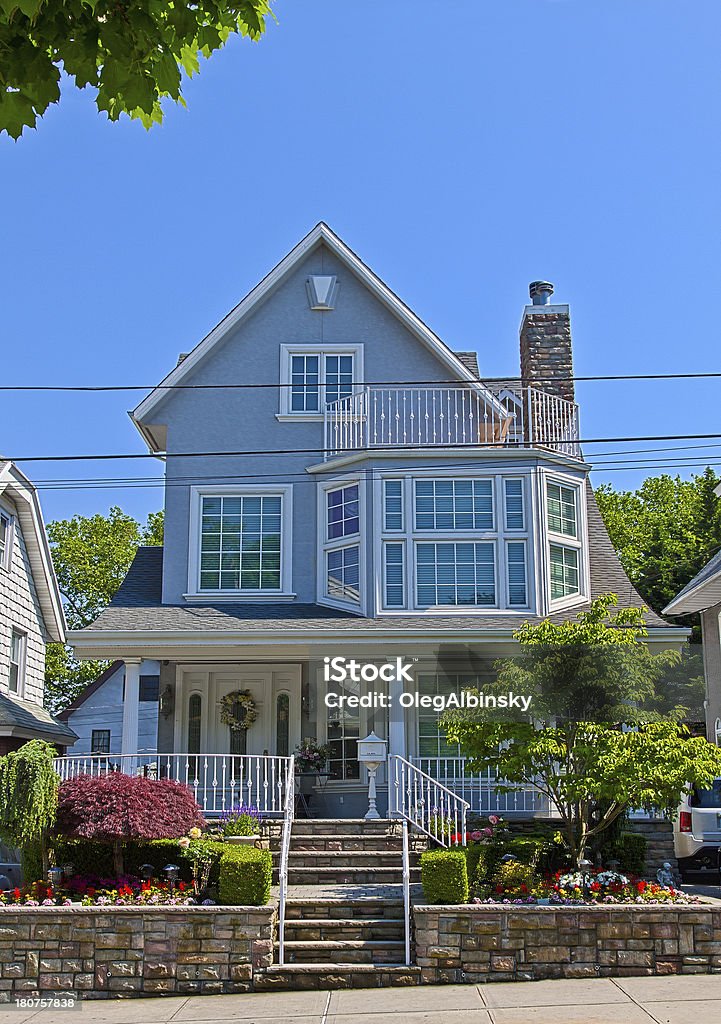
(479, 789)
(217, 781)
(437, 416)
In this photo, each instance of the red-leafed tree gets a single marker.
(118, 808)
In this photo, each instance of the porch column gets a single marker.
(396, 716)
(131, 706)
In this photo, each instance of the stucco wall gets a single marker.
(19, 607)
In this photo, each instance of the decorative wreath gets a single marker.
(238, 710)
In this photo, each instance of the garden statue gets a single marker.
(665, 875)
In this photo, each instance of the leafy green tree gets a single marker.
(91, 556)
(664, 532)
(28, 796)
(600, 740)
(133, 52)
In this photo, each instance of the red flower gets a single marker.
(524, 887)
(16, 893)
(595, 887)
(640, 887)
(182, 886)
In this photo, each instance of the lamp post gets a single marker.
(171, 872)
(372, 753)
(146, 872)
(585, 866)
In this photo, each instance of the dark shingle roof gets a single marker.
(24, 718)
(137, 604)
(711, 569)
(470, 361)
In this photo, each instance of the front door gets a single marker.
(275, 691)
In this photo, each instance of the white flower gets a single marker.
(184, 843)
(195, 833)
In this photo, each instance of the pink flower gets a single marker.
(475, 836)
(493, 819)
(488, 832)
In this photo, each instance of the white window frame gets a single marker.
(287, 351)
(15, 631)
(510, 539)
(324, 545)
(499, 536)
(7, 554)
(197, 493)
(579, 543)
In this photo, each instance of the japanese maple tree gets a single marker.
(119, 808)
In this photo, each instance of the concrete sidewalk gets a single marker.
(691, 999)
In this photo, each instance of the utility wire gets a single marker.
(354, 451)
(376, 383)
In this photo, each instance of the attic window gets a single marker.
(322, 291)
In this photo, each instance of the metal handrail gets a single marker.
(284, 852)
(425, 803)
(406, 894)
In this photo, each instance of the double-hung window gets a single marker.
(564, 547)
(313, 378)
(16, 678)
(342, 569)
(242, 540)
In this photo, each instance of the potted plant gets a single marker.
(241, 824)
(311, 758)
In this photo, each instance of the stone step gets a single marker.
(345, 841)
(352, 875)
(360, 909)
(333, 976)
(345, 952)
(345, 826)
(372, 929)
(345, 859)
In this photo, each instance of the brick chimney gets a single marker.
(546, 352)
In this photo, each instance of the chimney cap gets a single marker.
(540, 292)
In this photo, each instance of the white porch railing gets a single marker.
(424, 802)
(479, 789)
(288, 813)
(217, 781)
(428, 416)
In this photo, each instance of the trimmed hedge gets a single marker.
(629, 849)
(245, 876)
(90, 858)
(444, 876)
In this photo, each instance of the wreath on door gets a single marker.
(238, 710)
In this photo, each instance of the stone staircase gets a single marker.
(344, 923)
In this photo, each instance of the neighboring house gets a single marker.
(96, 714)
(389, 504)
(31, 616)
(703, 595)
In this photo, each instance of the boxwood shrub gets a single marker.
(245, 876)
(444, 876)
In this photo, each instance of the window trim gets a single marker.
(409, 536)
(332, 550)
(324, 545)
(197, 493)
(495, 605)
(563, 548)
(93, 748)
(21, 663)
(285, 412)
(6, 555)
(579, 543)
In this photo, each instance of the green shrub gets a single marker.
(444, 876)
(478, 858)
(629, 849)
(245, 876)
(511, 878)
(530, 848)
(31, 862)
(89, 858)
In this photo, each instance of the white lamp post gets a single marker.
(372, 753)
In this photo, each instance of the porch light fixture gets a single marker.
(322, 291)
(171, 872)
(146, 872)
(55, 876)
(372, 753)
(167, 702)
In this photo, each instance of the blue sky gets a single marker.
(462, 149)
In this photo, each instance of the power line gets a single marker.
(706, 375)
(353, 451)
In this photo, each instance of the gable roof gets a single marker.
(704, 590)
(321, 233)
(137, 605)
(90, 689)
(24, 496)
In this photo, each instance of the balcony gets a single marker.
(436, 416)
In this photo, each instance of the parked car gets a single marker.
(697, 835)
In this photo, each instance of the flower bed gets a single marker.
(583, 888)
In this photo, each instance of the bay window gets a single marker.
(342, 560)
(564, 544)
(455, 574)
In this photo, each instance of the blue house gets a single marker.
(342, 484)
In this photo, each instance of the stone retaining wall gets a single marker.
(485, 943)
(129, 951)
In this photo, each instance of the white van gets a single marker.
(697, 835)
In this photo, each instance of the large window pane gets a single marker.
(338, 377)
(343, 734)
(561, 506)
(305, 383)
(455, 574)
(343, 574)
(454, 505)
(240, 542)
(343, 514)
(564, 571)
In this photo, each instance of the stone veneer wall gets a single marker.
(515, 943)
(128, 951)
